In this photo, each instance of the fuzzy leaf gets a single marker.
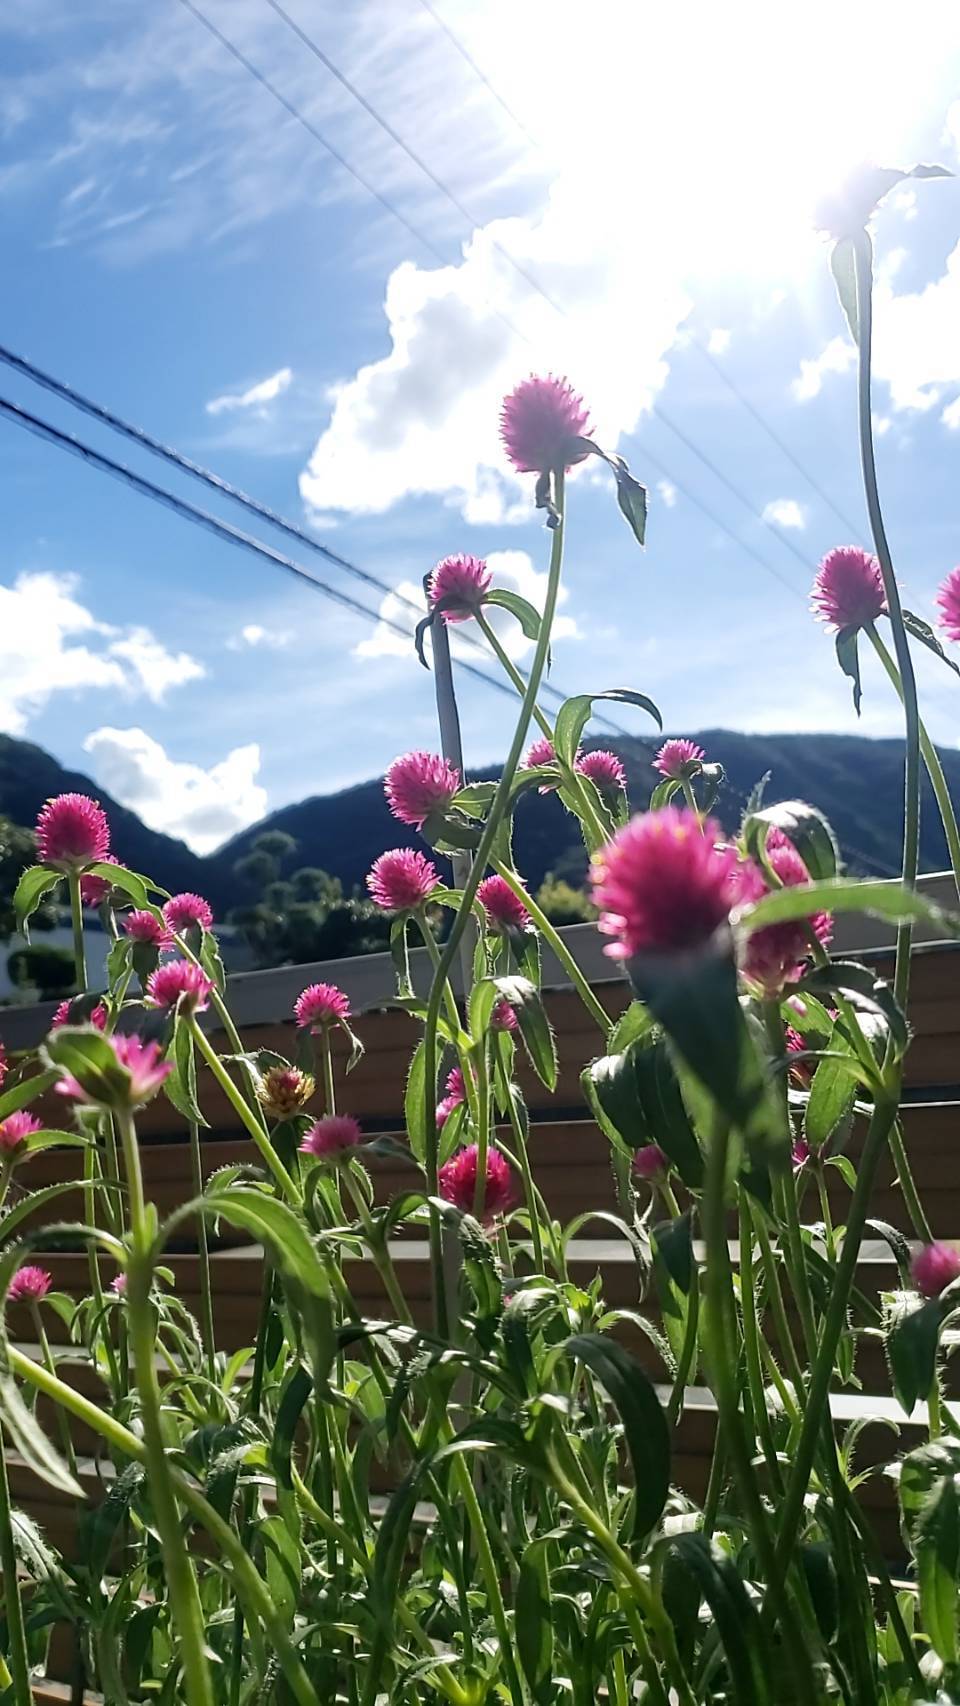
(538, 1039)
(888, 900)
(923, 632)
(528, 618)
(35, 882)
(533, 1619)
(936, 1543)
(644, 1423)
(574, 714)
(805, 826)
(848, 657)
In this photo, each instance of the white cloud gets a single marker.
(838, 355)
(265, 391)
(951, 415)
(511, 568)
(784, 512)
(254, 634)
(201, 807)
(719, 341)
(154, 668)
(883, 423)
(51, 643)
(668, 493)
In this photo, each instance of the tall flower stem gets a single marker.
(863, 260)
(12, 1604)
(931, 759)
(207, 1331)
(287, 1185)
(76, 919)
(559, 947)
(520, 1144)
(185, 1605)
(498, 810)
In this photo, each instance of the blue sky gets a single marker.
(181, 250)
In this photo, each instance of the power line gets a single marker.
(528, 277)
(478, 73)
(106, 417)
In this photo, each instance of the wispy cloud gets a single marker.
(785, 512)
(201, 806)
(255, 635)
(837, 357)
(255, 397)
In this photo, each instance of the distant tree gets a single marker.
(18, 849)
(303, 916)
(48, 970)
(562, 903)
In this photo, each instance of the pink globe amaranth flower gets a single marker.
(800, 1071)
(4, 1065)
(72, 831)
(651, 1163)
(97, 1017)
(445, 1108)
(144, 926)
(775, 956)
(93, 890)
(458, 1182)
(801, 1152)
(331, 1135)
(662, 885)
(848, 588)
(538, 422)
(604, 770)
(183, 910)
(142, 1061)
(503, 1017)
(540, 751)
(15, 1129)
(119, 1284)
(29, 1285)
(284, 1090)
(948, 598)
(401, 880)
(934, 1267)
(319, 1005)
(460, 583)
(504, 909)
(179, 981)
(418, 784)
(455, 1087)
(678, 758)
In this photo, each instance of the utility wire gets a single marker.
(717, 366)
(106, 417)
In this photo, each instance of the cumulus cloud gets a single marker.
(785, 512)
(668, 493)
(719, 340)
(254, 634)
(265, 391)
(51, 643)
(838, 355)
(201, 807)
(512, 569)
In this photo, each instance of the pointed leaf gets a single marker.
(888, 900)
(848, 657)
(275, 1225)
(805, 826)
(35, 882)
(644, 1423)
(528, 617)
(533, 1619)
(534, 1026)
(936, 1541)
(26, 1091)
(573, 716)
(923, 632)
(414, 1103)
(912, 1338)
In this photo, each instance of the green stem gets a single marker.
(751, 1343)
(185, 1606)
(498, 810)
(483, 1133)
(290, 1190)
(379, 1256)
(908, 1187)
(520, 1145)
(555, 941)
(863, 259)
(76, 919)
(490, 1575)
(931, 759)
(49, 1364)
(329, 1087)
(207, 1331)
(12, 1604)
(430, 943)
(777, 1308)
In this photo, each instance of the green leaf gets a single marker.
(848, 657)
(672, 1242)
(912, 1338)
(737, 1623)
(100, 1524)
(28, 1438)
(88, 1056)
(923, 632)
(802, 824)
(898, 1244)
(26, 1091)
(29, 1205)
(937, 1546)
(211, 961)
(35, 882)
(533, 1024)
(275, 1225)
(843, 267)
(830, 1102)
(533, 1620)
(920, 1471)
(888, 900)
(574, 714)
(610, 1088)
(296, 1391)
(663, 1108)
(633, 1024)
(120, 878)
(632, 498)
(414, 1103)
(865, 989)
(181, 1085)
(283, 1567)
(644, 1423)
(821, 1578)
(528, 618)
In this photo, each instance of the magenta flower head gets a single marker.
(142, 1070)
(179, 981)
(418, 784)
(605, 771)
(14, 1131)
(144, 926)
(97, 1018)
(775, 956)
(539, 423)
(504, 909)
(445, 1108)
(183, 910)
(4, 1064)
(540, 751)
(458, 1182)
(72, 831)
(800, 1152)
(94, 890)
(934, 1267)
(320, 1005)
(401, 880)
(331, 1135)
(29, 1285)
(284, 1090)
(118, 1285)
(948, 598)
(662, 885)
(679, 758)
(460, 584)
(651, 1163)
(455, 1087)
(848, 588)
(503, 1017)
(799, 1071)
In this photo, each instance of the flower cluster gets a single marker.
(144, 926)
(458, 1182)
(401, 880)
(72, 832)
(142, 1072)
(848, 588)
(182, 911)
(540, 422)
(179, 982)
(15, 1130)
(419, 784)
(29, 1284)
(663, 884)
(460, 585)
(504, 909)
(678, 759)
(321, 1005)
(283, 1090)
(331, 1136)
